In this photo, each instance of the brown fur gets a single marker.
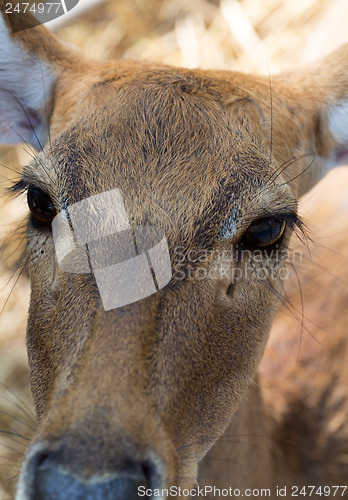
(163, 377)
(291, 428)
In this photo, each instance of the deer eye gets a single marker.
(264, 233)
(40, 205)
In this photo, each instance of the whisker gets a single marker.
(17, 419)
(11, 449)
(291, 309)
(28, 118)
(10, 481)
(23, 407)
(10, 169)
(326, 270)
(46, 108)
(271, 104)
(11, 436)
(301, 173)
(278, 171)
(16, 281)
(44, 168)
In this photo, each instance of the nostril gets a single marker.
(41, 458)
(151, 475)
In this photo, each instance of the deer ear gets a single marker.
(330, 81)
(26, 85)
(313, 124)
(337, 123)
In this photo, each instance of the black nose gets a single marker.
(53, 483)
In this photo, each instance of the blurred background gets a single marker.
(250, 35)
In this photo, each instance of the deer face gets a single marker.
(165, 148)
(136, 395)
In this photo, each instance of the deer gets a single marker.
(134, 400)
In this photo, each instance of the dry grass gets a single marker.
(251, 35)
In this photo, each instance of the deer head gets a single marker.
(215, 161)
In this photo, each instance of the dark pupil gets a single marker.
(265, 232)
(40, 205)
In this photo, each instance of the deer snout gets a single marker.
(52, 483)
(47, 477)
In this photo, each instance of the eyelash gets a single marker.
(19, 187)
(293, 222)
